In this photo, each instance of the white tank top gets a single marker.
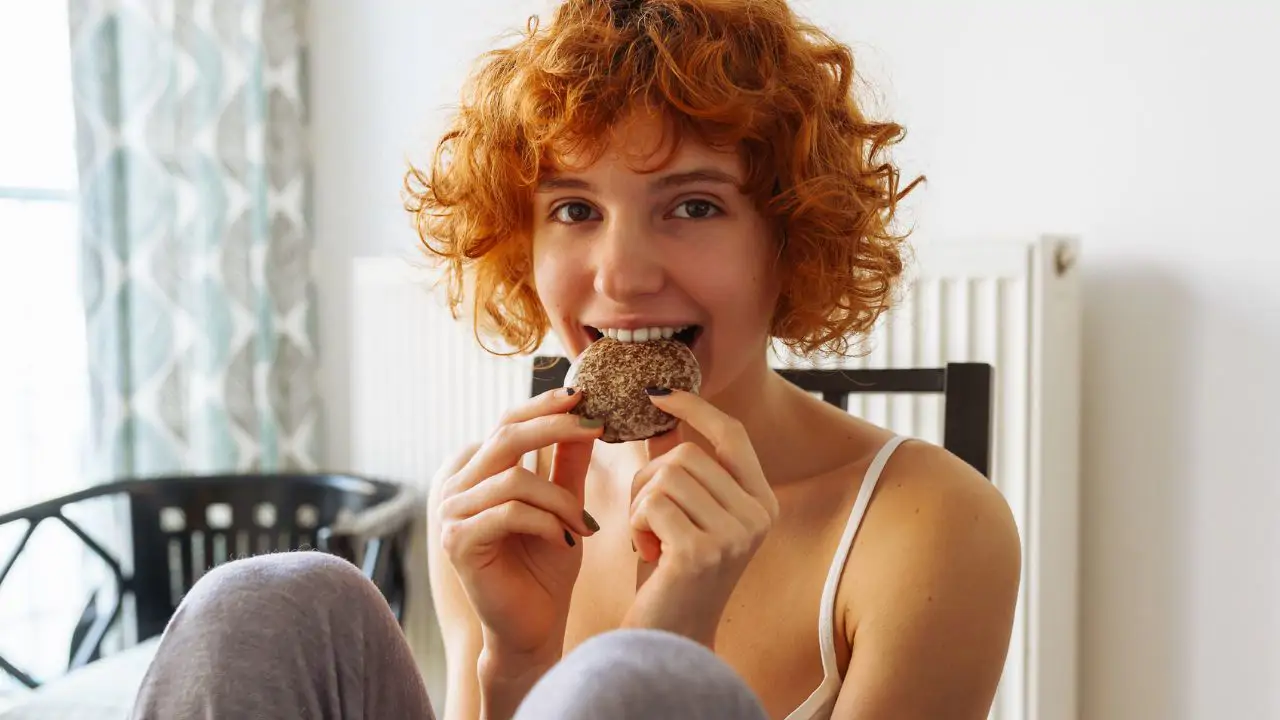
(819, 704)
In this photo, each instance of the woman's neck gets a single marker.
(770, 409)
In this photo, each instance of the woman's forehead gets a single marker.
(643, 145)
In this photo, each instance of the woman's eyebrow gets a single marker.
(560, 182)
(697, 175)
(553, 182)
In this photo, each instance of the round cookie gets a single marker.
(613, 375)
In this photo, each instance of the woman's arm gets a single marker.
(503, 558)
(459, 626)
(932, 609)
(481, 685)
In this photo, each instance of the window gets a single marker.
(43, 365)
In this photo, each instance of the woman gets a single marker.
(682, 164)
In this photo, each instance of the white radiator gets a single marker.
(422, 388)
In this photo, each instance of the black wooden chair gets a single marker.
(183, 526)
(966, 389)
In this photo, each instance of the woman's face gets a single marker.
(623, 252)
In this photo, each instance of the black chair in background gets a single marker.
(183, 526)
(966, 389)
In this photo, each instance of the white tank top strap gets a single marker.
(826, 628)
(821, 702)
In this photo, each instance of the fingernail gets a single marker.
(657, 391)
(590, 521)
(590, 423)
(568, 537)
(566, 392)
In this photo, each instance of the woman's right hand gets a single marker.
(512, 536)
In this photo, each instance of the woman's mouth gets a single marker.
(686, 334)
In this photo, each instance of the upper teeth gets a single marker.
(641, 334)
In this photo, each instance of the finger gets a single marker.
(692, 497)
(659, 515)
(509, 443)
(547, 403)
(695, 461)
(724, 432)
(662, 444)
(645, 568)
(523, 486)
(569, 467)
(643, 540)
(646, 543)
(477, 533)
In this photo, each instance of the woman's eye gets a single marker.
(573, 212)
(696, 209)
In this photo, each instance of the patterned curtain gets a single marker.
(193, 160)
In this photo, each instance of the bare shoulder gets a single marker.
(932, 586)
(928, 494)
(935, 521)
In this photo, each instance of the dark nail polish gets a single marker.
(569, 392)
(590, 521)
(568, 537)
(657, 391)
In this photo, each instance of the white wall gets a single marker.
(1152, 133)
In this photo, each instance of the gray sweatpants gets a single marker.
(305, 636)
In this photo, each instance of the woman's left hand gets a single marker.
(700, 516)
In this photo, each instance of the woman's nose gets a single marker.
(627, 264)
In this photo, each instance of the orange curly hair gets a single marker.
(744, 74)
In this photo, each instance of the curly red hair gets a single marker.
(744, 74)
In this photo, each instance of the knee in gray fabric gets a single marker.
(293, 634)
(641, 675)
(309, 578)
